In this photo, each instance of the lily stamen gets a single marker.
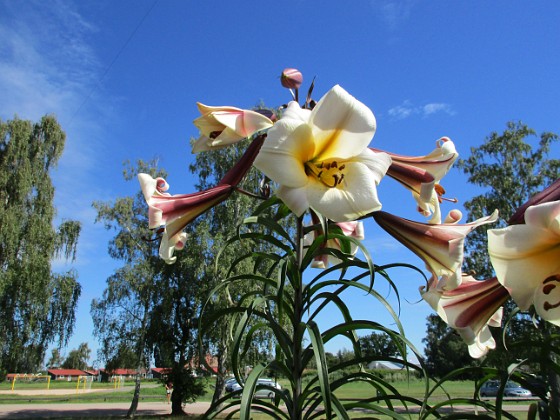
(326, 172)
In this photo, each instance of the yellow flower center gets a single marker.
(330, 173)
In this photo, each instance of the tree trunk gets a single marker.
(176, 403)
(134, 405)
(139, 353)
(221, 374)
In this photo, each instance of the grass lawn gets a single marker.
(154, 391)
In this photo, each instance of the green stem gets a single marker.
(297, 368)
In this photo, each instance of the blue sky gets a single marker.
(123, 78)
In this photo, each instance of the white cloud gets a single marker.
(433, 108)
(48, 66)
(408, 109)
(45, 63)
(402, 111)
(393, 12)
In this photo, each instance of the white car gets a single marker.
(262, 393)
(512, 389)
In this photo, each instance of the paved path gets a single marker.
(83, 410)
(33, 411)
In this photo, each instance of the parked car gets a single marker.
(512, 389)
(262, 393)
(230, 383)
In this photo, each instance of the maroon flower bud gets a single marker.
(291, 78)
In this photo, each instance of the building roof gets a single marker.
(121, 371)
(66, 372)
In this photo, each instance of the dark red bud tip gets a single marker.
(551, 193)
(291, 78)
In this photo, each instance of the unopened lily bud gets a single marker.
(291, 78)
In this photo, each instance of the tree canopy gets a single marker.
(37, 305)
(148, 308)
(78, 358)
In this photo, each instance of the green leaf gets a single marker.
(322, 369)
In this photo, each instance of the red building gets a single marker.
(65, 374)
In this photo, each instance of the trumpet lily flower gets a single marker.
(470, 308)
(422, 174)
(221, 126)
(175, 212)
(321, 160)
(353, 229)
(526, 259)
(439, 246)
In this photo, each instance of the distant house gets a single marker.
(65, 374)
(92, 372)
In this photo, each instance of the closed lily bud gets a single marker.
(291, 78)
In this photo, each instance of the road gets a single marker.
(81, 410)
(105, 409)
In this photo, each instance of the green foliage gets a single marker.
(56, 359)
(375, 344)
(78, 358)
(37, 306)
(149, 308)
(281, 304)
(219, 223)
(445, 350)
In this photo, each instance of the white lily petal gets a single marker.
(545, 215)
(202, 144)
(168, 245)
(294, 198)
(523, 256)
(282, 156)
(318, 264)
(295, 112)
(339, 115)
(227, 136)
(205, 109)
(207, 125)
(244, 123)
(482, 344)
(221, 126)
(377, 162)
(148, 186)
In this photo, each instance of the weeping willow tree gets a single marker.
(37, 306)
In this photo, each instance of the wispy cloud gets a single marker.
(45, 62)
(48, 66)
(393, 12)
(408, 109)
